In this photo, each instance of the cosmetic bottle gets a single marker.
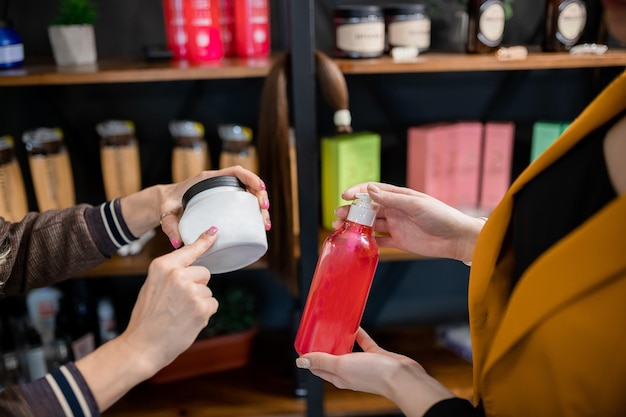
(50, 168)
(190, 154)
(119, 156)
(359, 31)
(252, 28)
(486, 26)
(13, 200)
(565, 22)
(341, 284)
(237, 147)
(11, 46)
(175, 35)
(202, 26)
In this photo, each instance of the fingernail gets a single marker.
(262, 184)
(212, 231)
(268, 225)
(303, 363)
(373, 188)
(266, 204)
(175, 243)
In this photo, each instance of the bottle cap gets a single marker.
(363, 210)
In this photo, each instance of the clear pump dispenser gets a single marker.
(341, 284)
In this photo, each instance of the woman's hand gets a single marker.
(377, 371)
(147, 208)
(416, 222)
(173, 306)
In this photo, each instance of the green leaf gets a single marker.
(75, 12)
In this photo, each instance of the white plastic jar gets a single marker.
(224, 202)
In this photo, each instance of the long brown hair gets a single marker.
(276, 156)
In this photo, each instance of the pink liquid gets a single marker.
(339, 291)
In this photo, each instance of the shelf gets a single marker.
(126, 71)
(265, 387)
(441, 62)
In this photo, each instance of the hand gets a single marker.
(377, 371)
(173, 306)
(416, 222)
(147, 208)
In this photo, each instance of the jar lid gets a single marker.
(207, 184)
(345, 11)
(402, 8)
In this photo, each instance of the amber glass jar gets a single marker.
(565, 22)
(486, 26)
(359, 31)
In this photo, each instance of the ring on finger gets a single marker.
(165, 214)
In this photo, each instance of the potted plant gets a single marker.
(72, 34)
(225, 343)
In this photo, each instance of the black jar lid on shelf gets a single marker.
(358, 11)
(404, 8)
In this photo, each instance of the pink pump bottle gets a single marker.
(341, 284)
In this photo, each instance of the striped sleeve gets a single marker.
(63, 392)
(107, 227)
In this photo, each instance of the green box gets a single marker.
(544, 134)
(346, 160)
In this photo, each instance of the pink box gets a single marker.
(427, 159)
(465, 154)
(496, 165)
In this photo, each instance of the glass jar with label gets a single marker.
(486, 25)
(359, 31)
(190, 154)
(407, 25)
(237, 147)
(13, 200)
(565, 22)
(50, 168)
(119, 155)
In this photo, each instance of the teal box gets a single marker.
(346, 160)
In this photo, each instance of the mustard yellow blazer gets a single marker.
(556, 345)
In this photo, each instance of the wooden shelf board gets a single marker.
(125, 71)
(450, 62)
(265, 388)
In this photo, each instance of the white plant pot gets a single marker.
(73, 44)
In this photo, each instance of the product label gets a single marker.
(571, 21)
(491, 23)
(11, 54)
(361, 37)
(410, 33)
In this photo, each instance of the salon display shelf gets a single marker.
(450, 62)
(129, 71)
(265, 386)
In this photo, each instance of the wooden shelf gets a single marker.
(126, 71)
(266, 386)
(449, 62)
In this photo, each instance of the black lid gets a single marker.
(221, 181)
(357, 11)
(404, 8)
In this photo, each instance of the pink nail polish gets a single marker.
(262, 184)
(212, 231)
(268, 225)
(175, 243)
(266, 204)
